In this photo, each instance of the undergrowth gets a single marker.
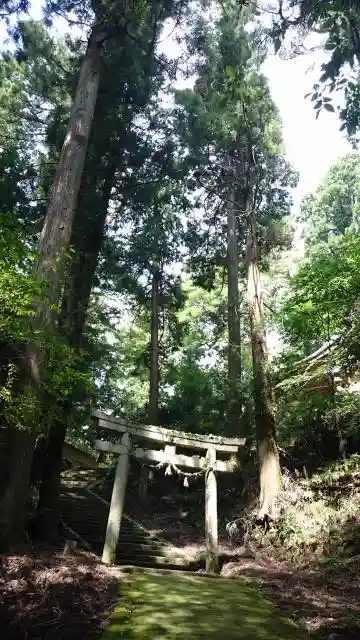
(319, 516)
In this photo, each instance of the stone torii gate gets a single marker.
(135, 434)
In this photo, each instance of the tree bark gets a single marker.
(18, 450)
(154, 351)
(102, 162)
(153, 410)
(57, 229)
(87, 240)
(54, 241)
(16, 447)
(234, 348)
(270, 472)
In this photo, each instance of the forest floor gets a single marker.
(46, 595)
(324, 601)
(322, 597)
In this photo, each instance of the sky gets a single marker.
(311, 145)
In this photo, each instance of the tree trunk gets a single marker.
(57, 229)
(234, 349)
(16, 447)
(48, 512)
(154, 352)
(54, 241)
(270, 472)
(18, 450)
(153, 410)
(87, 240)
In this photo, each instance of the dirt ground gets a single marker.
(46, 595)
(326, 602)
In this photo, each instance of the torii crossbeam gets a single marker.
(209, 463)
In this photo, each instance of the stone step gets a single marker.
(81, 479)
(126, 539)
(87, 515)
(128, 547)
(126, 534)
(151, 561)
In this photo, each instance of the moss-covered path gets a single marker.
(180, 606)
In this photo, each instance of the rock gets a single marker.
(230, 569)
(70, 546)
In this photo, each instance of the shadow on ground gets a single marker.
(45, 595)
(174, 606)
(323, 600)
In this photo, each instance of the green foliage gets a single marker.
(17, 291)
(323, 294)
(123, 379)
(232, 131)
(334, 208)
(195, 391)
(321, 303)
(321, 297)
(17, 288)
(319, 310)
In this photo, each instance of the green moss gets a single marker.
(178, 606)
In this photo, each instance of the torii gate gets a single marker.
(208, 464)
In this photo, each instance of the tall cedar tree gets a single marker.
(232, 128)
(113, 148)
(55, 239)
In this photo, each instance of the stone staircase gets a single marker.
(85, 512)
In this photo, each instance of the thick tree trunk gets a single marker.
(87, 240)
(57, 229)
(54, 241)
(48, 513)
(270, 472)
(15, 478)
(234, 348)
